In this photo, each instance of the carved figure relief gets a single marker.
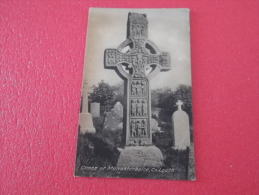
(144, 108)
(133, 108)
(143, 127)
(134, 30)
(164, 60)
(138, 126)
(139, 88)
(139, 91)
(143, 30)
(139, 113)
(111, 57)
(133, 129)
(139, 107)
(143, 88)
(133, 88)
(138, 30)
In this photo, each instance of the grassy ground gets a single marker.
(100, 150)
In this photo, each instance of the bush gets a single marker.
(94, 150)
(98, 123)
(176, 158)
(114, 136)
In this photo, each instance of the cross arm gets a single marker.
(111, 58)
(163, 59)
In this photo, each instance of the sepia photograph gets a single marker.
(136, 117)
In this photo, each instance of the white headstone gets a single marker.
(181, 128)
(95, 109)
(85, 120)
(118, 108)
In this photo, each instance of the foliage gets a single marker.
(107, 95)
(174, 157)
(98, 123)
(103, 93)
(94, 150)
(114, 136)
(166, 99)
(164, 139)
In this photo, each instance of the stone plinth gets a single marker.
(140, 156)
(86, 123)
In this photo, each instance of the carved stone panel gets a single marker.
(138, 128)
(139, 108)
(139, 88)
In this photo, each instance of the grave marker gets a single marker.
(85, 120)
(181, 128)
(95, 109)
(118, 109)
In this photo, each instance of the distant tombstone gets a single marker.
(95, 109)
(112, 121)
(85, 118)
(118, 108)
(181, 128)
(155, 112)
(154, 125)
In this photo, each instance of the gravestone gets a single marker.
(95, 109)
(85, 120)
(118, 109)
(131, 66)
(181, 128)
(112, 121)
(154, 125)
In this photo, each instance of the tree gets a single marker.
(166, 99)
(103, 93)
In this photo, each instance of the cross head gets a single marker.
(179, 103)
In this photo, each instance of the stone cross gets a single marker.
(179, 103)
(131, 66)
(85, 120)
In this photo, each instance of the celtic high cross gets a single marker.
(137, 60)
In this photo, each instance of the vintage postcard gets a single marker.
(136, 106)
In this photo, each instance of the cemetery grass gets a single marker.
(101, 150)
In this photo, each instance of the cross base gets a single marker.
(138, 142)
(140, 157)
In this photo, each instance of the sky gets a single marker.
(167, 28)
